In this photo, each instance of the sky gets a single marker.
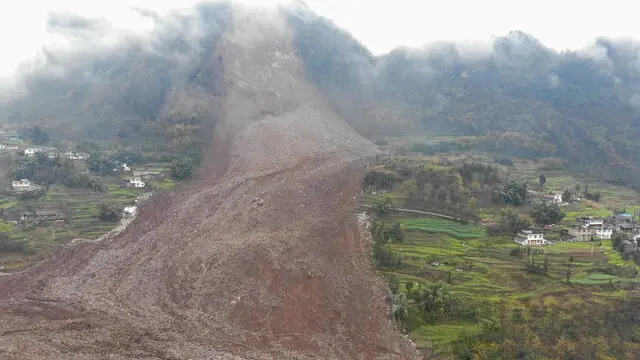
(380, 25)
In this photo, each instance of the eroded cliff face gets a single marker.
(259, 258)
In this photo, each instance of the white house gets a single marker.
(32, 151)
(72, 155)
(529, 238)
(21, 185)
(122, 167)
(136, 182)
(591, 228)
(555, 198)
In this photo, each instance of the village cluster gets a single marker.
(12, 142)
(586, 228)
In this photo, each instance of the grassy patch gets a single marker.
(8, 204)
(586, 209)
(5, 227)
(164, 184)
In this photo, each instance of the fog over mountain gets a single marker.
(529, 99)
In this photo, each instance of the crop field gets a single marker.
(434, 251)
(443, 226)
(586, 208)
(81, 208)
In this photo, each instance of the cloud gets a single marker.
(554, 80)
(81, 49)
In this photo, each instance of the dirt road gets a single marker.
(259, 258)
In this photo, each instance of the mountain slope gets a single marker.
(209, 272)
(519, 97)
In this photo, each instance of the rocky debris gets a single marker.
(204, 274)
(258, 201)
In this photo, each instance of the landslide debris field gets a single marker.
(259, 258)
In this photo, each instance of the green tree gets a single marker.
(409, 286)
(97, 163)
(542, 179)
(109, 212)
(396, 234)
(394, 284)
(97, 185)
(400, 311)
(547, 214)
(382, 205)
(182, 169)
(511, 194)
(38, 135)
(510, 223)
(566, 195)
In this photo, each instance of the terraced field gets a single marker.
(442, 226)
(481, 267)
(81, 207)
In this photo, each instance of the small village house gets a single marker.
(121, 167)
(30, 152)
(146, 174)
(530, 238)
(623, 222)
(72, 155)
(21, 185)
(555, 198)
(39, 217)
(589, 229)
(137, 182)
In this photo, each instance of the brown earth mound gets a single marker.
(260, 258)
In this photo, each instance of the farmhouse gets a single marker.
(21, 185)
(121, 167)
(39, 217)
(555, 198)
(529, 238)
(137, 182)
(146, 174)
(30, 152)
(589, 229)
(623, 222)
(72, 155)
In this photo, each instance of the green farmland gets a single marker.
(483, 270)
(442, 226)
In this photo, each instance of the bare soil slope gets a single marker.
(260, 258)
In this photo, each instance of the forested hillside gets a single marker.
(156, 90)
(514, 95)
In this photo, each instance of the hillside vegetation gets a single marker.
(513, 96)
(463, 290)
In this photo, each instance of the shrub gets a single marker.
(109, 212)
(182, 169)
